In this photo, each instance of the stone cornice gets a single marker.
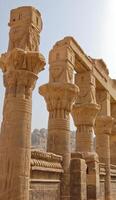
(41, 160)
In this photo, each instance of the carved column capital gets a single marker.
(59, 96)
(104, 124)
(85, 114)
(18, 59)
(20, 70)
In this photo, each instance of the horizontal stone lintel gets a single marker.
(36, 168)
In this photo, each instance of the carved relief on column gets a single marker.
(104, 124)
(62, 62)
(103, 98)
(26, 25)
(59, 97)
(87, 85)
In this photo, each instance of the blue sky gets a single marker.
(91, 22)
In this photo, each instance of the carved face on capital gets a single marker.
(55, 73)
(61, 74)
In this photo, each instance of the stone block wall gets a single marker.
(46, 170)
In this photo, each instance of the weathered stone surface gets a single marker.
(46, 170)
(26, 24)
(20, 70)
(84, 116)
(67, 175)
(78, 185)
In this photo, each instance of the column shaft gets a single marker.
(15, 149)
(103, 131)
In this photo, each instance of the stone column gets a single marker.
(60, 98)
(16, 125)
(113, 144)
(113, 135)
(103, 131)
(84, 113)
(84, 116)
(20, 66)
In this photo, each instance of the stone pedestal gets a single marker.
(78, 187)
(60, 98)
(84, 116)
(20, 74)
(103, 131)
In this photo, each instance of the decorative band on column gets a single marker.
(61, 124)
(18, 104)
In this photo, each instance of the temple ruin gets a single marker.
(79, 86)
